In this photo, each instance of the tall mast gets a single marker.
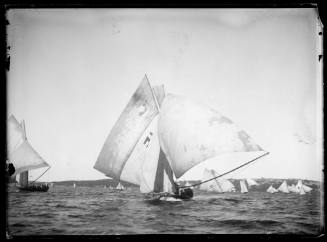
(24, 129)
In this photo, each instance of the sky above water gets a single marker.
(72, 72)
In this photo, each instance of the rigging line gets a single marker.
(40, 176)
(225, 172)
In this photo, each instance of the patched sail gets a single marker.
(19, 151)
(190, 133)
(283, 187)
(243, 186)
(118, 147)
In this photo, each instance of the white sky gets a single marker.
(73, 71)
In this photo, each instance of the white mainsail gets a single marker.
(20, 152)
(121, 141)
(243, 186)
(190, 133)
(300, 186)
(251, 182)
(271, 189)
(135, 156)
(120, 186)
(283, 187)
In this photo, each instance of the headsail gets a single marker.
(137, 115)
(243, 186)
(190, 133)
(19, 150)
(283, 187)
(271, 189)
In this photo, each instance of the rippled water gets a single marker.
(100, 211)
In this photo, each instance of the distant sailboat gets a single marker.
(292, 188)
(226, 185)
(271, 189)
(283, 187)
(300, 186)
(306, 188)
(211, 186)
(153, 143)
(243, 186)
(251, 182)
(23, 156)
(74, 185)
(120, 187)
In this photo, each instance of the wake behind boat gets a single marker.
(153, 143)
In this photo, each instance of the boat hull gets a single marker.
(34, 188)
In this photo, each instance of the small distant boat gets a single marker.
(300, 186)
(271, 189)
(283, 187)
(292, 188)
(120, 187)
(243, 186)
(74, 185)
(251, 182)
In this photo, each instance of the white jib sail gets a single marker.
(121, 141)
(283, 187)
(190, 133)
(271, 189)
(243, 186)
(20, 152)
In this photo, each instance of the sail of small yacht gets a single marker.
(23, 156)
(283, 187)
(271, 189)
(243, 186)
(251, 182)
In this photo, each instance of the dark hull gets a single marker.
(34, 188)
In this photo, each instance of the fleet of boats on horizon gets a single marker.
(156, 140)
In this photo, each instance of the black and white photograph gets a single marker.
(134, 121)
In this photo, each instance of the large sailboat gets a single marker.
(159, 137)
(23, 156)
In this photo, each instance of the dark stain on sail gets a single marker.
(146, 141)
(246, 139)
(219, 120)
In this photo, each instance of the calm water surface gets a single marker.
(99, 211)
